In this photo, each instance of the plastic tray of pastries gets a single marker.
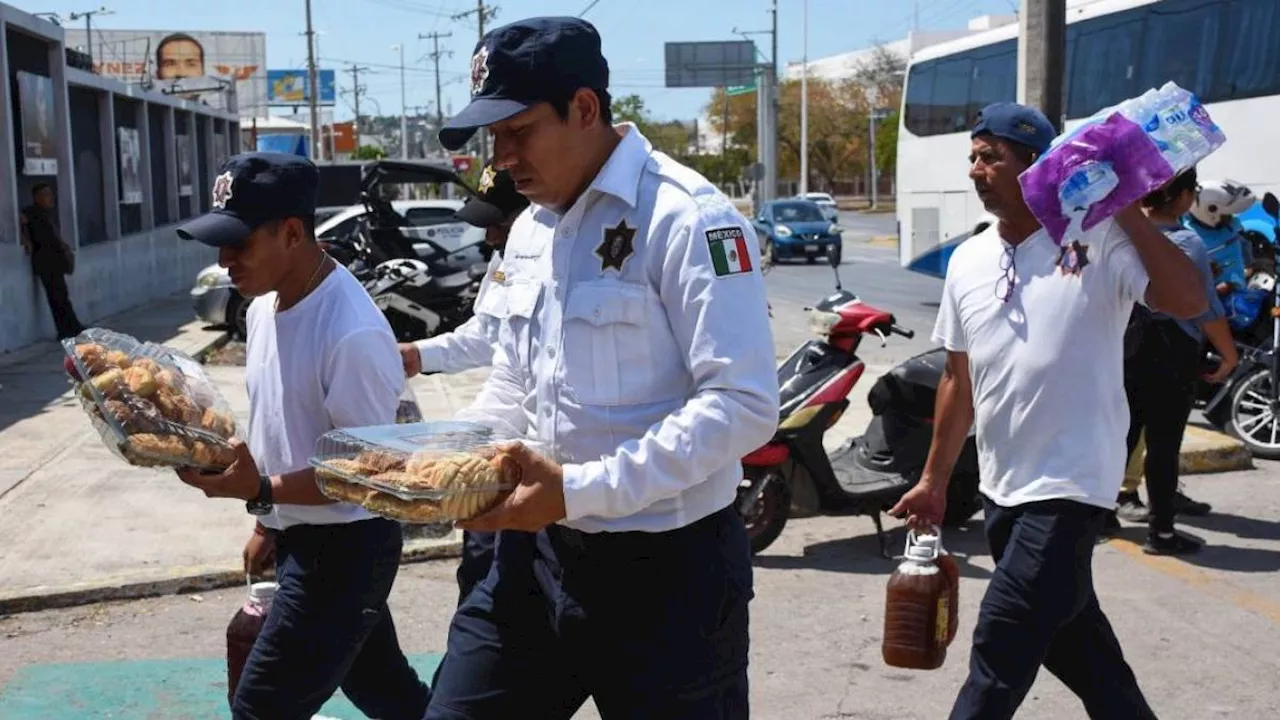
(152, 405)
(417, 472)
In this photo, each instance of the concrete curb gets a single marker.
(175, 581)
(884, 241)
(1207, 451)
(202, 354)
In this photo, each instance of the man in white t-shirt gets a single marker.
(1034, 337)
(320, 356)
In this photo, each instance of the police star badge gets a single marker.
(486, 180)
(479, 70)
(617, 246)
(1074, 258)
(222, 190)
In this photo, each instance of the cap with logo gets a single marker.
(496, 200)
(522, 64)
(251, 190)
(1015, 123)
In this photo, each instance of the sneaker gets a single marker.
(1184, 505)
(1129, 507)
(1170, 544)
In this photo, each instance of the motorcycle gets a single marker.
(870, 473)
(1247, 404)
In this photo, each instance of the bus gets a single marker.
(1225, 51)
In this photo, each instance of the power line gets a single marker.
(483, 14)
(356, 91)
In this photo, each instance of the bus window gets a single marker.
(918, 98)
(995, 77)
(1104, 65)
(1180, 45)
(950, 100)
(1250, 64)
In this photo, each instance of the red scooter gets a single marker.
(870, 473)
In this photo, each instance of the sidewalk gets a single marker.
(78, 525)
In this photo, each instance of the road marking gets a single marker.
(1202, 580)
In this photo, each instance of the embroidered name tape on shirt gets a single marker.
(729, 251)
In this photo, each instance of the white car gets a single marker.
(217, 302)
(825, 202)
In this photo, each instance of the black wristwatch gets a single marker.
(262, 504)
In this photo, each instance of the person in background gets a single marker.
(637, 350)
(1160, 375)
(1034, 337)
(1212, 216)
(471, 346)
(319, 356)
(52, 260)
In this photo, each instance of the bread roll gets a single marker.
(141, 381)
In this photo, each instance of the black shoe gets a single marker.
(1184, 505)
(1110, 528)
(1129, 506)
(1170, 544)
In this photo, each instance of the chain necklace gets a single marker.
(324, 258)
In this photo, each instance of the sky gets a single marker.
(633, 34)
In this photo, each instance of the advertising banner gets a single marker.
(292, 87)
(39, 141)
(192, 64)
(130, 158)
(184, 165)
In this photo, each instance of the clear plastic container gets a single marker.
(417, 472)
(152, 405)
(408, 411)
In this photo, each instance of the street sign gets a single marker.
(740, 90)
(722, 63)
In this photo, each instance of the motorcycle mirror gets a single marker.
(1271, 205)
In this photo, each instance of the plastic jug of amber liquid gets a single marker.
(919, 614)
(243, 631)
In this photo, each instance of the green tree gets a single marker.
(369, 152)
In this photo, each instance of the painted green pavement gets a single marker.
(141, 690)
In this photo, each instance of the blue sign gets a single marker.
(291, 87)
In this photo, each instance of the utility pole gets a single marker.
(435, 58)
(313, 90)
(356, 90)
(1042, 40)
(404, 109)
(483, 14)
(771, 115)
(88, 26)
(804, 106)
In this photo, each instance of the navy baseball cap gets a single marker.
(522, 64)
(1015, 123)
(251, 190)
(497, 200)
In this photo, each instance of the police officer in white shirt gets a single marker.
(494, 208)
(1034, 338)
(635, 345)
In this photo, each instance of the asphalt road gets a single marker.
(1199, 632)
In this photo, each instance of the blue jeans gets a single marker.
(1040, 608)
(650, 625)
(330, 627)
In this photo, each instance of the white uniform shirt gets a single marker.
(471, 344)
(328, 362)
(1047, 367)
(634, 341)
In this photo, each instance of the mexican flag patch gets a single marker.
(729, 251)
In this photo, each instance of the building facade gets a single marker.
(127, 166)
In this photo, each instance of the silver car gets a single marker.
(217, 302)
(826, 203)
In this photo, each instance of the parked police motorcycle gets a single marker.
(869, 474)
(1247, 405)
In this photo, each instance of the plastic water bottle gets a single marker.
(917, 612)
(1087, 185)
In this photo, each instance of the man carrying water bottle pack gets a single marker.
(1034, 336)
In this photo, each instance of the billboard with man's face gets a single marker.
(193, 64)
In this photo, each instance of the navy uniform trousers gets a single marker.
(1040, 608)
(649, 625)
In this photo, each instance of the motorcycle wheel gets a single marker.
(768, 514)
(1252, 421)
